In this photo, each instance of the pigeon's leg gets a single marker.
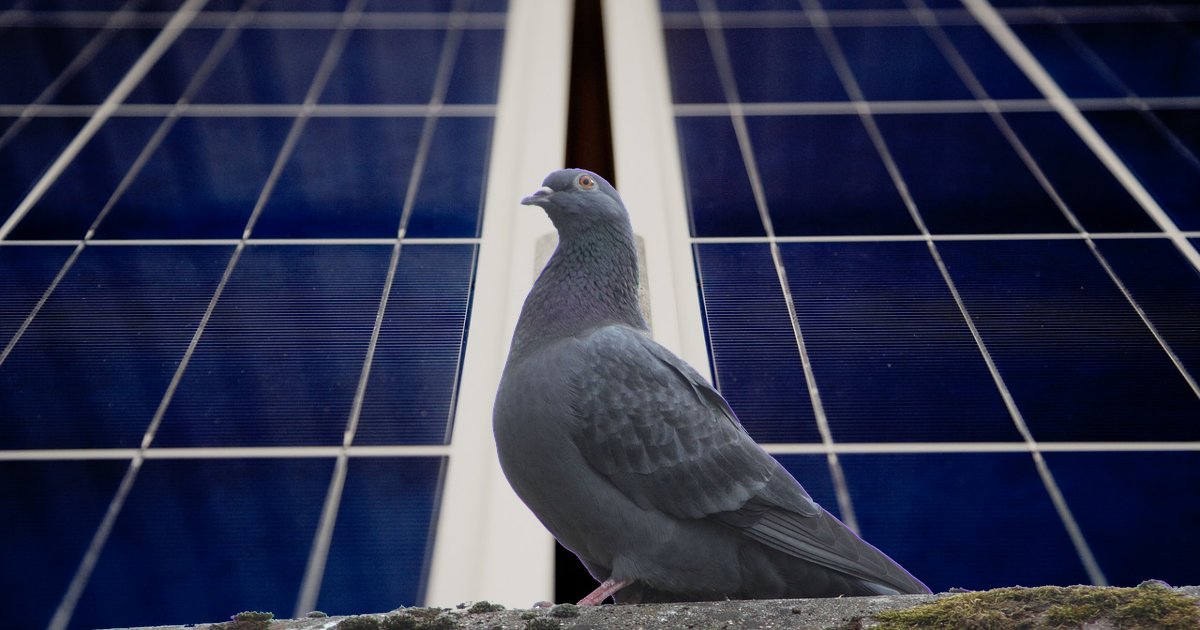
(604, 591)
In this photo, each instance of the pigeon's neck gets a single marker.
(590, 281)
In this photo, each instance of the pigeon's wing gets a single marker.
(662, 435)
(657, 431)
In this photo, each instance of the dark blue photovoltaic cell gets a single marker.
(72, 204)
(28, 153)
(898, 63)
(267, 66)
(476, 76)
(1184, 124)
(377, 559)
(1139, 512)
(841, 5)
(1150, 58)
(755, 5)
(32, 58)
(200, 538)
(822, 176)
(720, 201)
(965, 176)
(989, 63)
(1165, 286)
(967, 520)
(677, 5)
(170, 76)
(449, 201)
(756, 360)
(1084, 184)
(781, 65)
(25, 273)
(1170, 176)
(93, 366)
(693, 73)
(94, 83)
(281, 357)
(319, 195)
(202, 182)
(414, 373)
(56, 501)
(379, 66)
(1073, 352)
(1074, 74)
(890, 350)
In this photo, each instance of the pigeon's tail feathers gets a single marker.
(824, 541)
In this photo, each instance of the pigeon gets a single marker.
(632, 460)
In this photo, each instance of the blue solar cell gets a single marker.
(756, 360)
(755, 5)
(170, 76)
(822, 176)
(853, 5)
(967, 520)
(449, 201)
(899, 63)
(1159, 511)
(25, 273)
(1073, 73)
(267, 66)
(281, 357)
(32, 58)
(373, 67)
(91, 369)
(476, 76)
(891, 353)
(202, 182)
(33, 148)
(1073, 352)
(72, 204)
(1084, 184)
(989, 63)
(1150, 58)
(58, 502)
(1184, 125)
(720, 201)
(202, 538)
(781, 65)
(693, 74)
(94, 83)
(414, 373)
(377, 559)
(678, 5)
(1162, 165)
(965, 176)
(322, 197)
(1166, 287)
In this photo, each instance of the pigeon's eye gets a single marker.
(587, 182)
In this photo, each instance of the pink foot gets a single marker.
(603, 592)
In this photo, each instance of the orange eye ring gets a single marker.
(587, 182)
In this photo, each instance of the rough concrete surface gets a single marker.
(802, 614)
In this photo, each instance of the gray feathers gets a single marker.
(631, 459)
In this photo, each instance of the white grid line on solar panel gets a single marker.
(443, 450)
(958, 17)
(698, 240)
(1012, 45)
(828, 39)
(950, 106)
(716, 39)
(246, 110)
(314, 574)
(950, 52)
(259, 19)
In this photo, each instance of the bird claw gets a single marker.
(606, 589)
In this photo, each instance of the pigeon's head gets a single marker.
(574, 197)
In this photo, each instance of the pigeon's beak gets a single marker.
(540, 197)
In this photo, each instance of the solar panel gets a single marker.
(238, 252)
(925, 256)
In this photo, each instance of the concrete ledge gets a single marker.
(1150, 605)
